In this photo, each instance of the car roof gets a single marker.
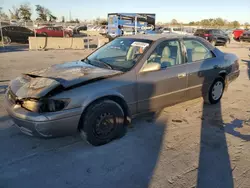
(155, 37)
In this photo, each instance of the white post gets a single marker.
(88, 41)
(35, 37)
(135, 24)
(1, 32)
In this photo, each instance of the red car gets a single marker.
(237, 33)
(54, 32)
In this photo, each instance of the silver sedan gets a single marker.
(97, 96)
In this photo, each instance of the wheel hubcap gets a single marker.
(105, 124)
(217, 90)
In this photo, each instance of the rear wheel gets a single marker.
(102, 123)
(216, 90)
(213, 42)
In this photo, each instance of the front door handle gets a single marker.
(216, 66)
(182, 75)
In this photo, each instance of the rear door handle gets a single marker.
(182, 75)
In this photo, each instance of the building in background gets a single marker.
(131, 23)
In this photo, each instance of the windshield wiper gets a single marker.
(96, 60)
(104, 63)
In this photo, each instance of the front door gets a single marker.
(167, 86)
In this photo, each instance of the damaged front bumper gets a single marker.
(51, 124)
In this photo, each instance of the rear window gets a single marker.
(202, 31)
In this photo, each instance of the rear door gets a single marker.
(58, 31)
(199, 33)
(201, 67)
(14, 33)
(157, 89)
(25, 33)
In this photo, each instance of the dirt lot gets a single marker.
(189, 145)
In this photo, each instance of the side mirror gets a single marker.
(149, 67)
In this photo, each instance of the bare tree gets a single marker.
(15, 13)
(3, 16)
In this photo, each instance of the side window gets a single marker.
(216, 32)
(23, 29)
(167, 54)
(196, 51)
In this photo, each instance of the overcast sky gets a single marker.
(165, 10)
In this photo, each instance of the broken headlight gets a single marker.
(45, 105)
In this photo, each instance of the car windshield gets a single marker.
(120, 54)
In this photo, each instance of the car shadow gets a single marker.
(214, 168)
(248, 66)
(214, 163)
(71, 162)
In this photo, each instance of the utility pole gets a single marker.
(1, 32)
(70, 16)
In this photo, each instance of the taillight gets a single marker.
(207, 35)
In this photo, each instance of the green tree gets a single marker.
(205, 22)
(103, 22)
(77, 20)
(246, 24)
(42, 12)
(235, 24)
(219, 22)
(14, 13)
(25, 12)
(174, 22)
(191, 23)
(51, 17)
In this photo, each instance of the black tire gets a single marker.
(211, 98)
(96, 121)
(6, 40)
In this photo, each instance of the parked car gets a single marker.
(54, 32)
(245, 36)
(103, 29)
(13, 22)
(214, 36)
(13, 33)
(237, 34)
(79, 29)
(99, 94)
(174, 30)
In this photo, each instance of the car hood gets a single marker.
(58, 77)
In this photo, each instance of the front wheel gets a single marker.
(6, 40)
(216, 90)
(102, 123)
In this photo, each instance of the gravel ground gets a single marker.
(189, 145)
